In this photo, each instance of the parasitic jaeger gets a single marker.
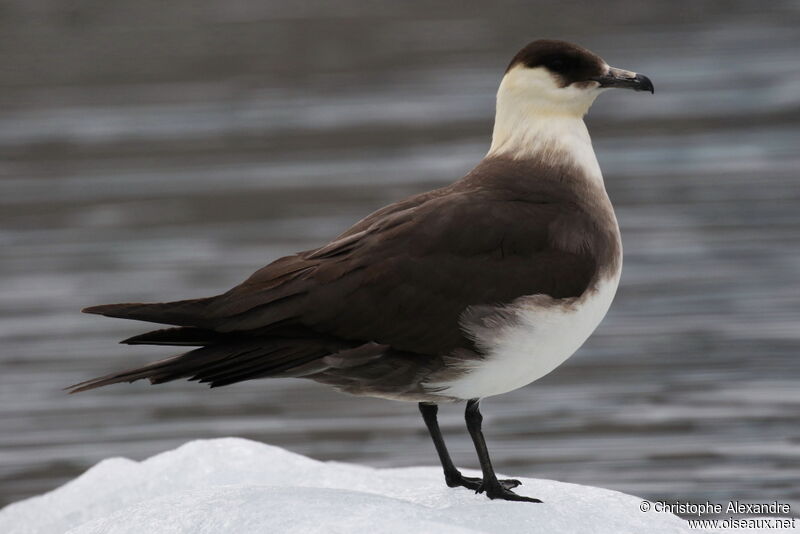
(460, 293)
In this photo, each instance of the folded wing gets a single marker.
(396, 283)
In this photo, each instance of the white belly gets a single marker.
(541, 340)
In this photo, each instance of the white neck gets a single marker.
(536, 121)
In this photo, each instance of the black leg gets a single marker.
(452, 475)
(494, 488)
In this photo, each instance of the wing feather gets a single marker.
(400, 279)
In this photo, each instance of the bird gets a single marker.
(464, 292)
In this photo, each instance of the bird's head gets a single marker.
(560, 78)
(547, 89)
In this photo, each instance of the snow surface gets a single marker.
(238, 486)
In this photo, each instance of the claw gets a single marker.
(500, 491)
(475, 483)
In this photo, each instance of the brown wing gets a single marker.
(406, 278)
(399, 281)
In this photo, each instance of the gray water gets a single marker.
(155, 151)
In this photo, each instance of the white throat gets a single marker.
(536, 118)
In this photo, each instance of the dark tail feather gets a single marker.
(224, 363)
(179, 313)
(186, 336)
(131, 375)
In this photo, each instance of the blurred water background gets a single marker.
(155, 151)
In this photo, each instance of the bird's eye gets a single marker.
(557, 64)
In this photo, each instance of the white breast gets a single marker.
(542, 339)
